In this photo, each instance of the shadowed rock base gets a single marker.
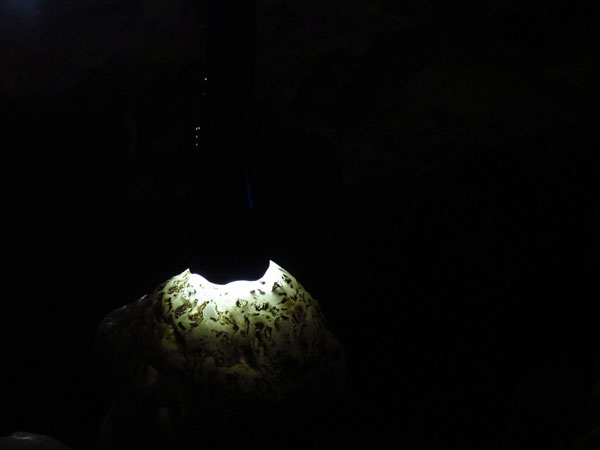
(224, 366)
(25, 441)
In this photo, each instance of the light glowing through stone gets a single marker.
(236, 344)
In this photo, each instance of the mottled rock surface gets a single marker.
(98, 103)
(193, 349)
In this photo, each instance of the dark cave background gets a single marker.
(427, 171)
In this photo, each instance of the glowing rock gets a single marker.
(30, 441)
(236, 347)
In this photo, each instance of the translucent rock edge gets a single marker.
(228, 346)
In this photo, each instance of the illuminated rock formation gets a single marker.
(193, 346)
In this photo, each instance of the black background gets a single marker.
(460, 276)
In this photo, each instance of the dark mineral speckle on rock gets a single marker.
(427, 169)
